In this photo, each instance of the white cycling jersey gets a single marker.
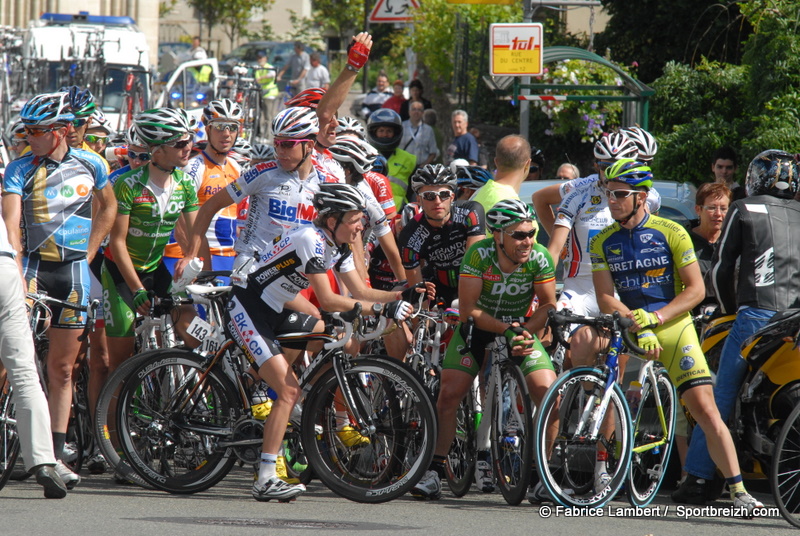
(325, 163)
(279, 202)
(374, 216)
(282, 272)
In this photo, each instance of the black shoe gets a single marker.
(693, 490)
(47, 477)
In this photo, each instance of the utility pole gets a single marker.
(524, 106)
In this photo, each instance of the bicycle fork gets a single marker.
(356, 406)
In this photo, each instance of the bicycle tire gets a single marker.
(511, 433)
(648, 468)
(399, 451)
(462, 457)
(572, 457)
(105, 423)
(168, 439)
(784, 474)
(79, 428)
(9, 440)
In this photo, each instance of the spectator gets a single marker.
(536, 171)
(197, 52)
(265, 75)
(512, 160)
(415, 95)
(723, 166)
(384, 132)
(377, 96)
(464, 144)
(318, 75)
(429, 116)
(419, 138)
(298, 65)
(567, 172)
(397, 99)
(483, 152)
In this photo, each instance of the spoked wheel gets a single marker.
(172, 413)
(785, 471)
(105, 421)
(512, 433)
(652, 439)
(565, 451)
(461, 459)
(9, 441)
(386, 463)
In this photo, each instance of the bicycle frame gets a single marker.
(648, 372)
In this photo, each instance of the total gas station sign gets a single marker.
(516, 49)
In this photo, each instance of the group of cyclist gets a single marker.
(314, 226)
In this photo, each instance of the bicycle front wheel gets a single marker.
(784, 474)
(399, 450)
(653, 433)
(9, 441)
(566, 450)
(512, 433)
(461, 459)
(172, 412)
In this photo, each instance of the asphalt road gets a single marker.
(99, 506)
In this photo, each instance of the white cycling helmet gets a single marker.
(615, 146)
(356, 151)
(296, 123)
(262, 151)
(163, 125)
(646, 144)
(223, 110)
(241, 150)
(351, 125)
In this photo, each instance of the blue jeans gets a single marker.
(731, 373)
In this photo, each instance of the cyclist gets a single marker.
(499, 277)
(241, 152)
(151, 200)
(49, 192)
(470, 179)
(136, 152)
(261, 311)
(440, 234)
(261, 152)
(81, 102)
(210, 172)
(758, 238)
(649, 261)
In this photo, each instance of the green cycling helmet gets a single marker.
(631, 172)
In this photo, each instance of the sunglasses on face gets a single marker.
(521, 235)
(78, 123)
(287, 144)
(133, 155)
(441, 194)
(91, 138)
(619, 194)
(179, 144)
(222, 127)
(36, 132)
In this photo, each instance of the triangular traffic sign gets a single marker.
(393, 10)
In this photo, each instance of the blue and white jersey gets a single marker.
(56, 202)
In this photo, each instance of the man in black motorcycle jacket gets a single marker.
(760, 233)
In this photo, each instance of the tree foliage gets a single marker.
(654, 32)
(210, 12)
(343, 17)
(235, 15)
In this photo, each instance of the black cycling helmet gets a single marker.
(774, 173)
(537, 157)
(433, 174)
(384, 117)
(335, 198)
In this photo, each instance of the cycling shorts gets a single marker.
(681, 354)
(118, 307)
(578, 295)
(472, 361)
(67, 281)
(255, 326)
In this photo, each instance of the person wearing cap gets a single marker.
(298, 65)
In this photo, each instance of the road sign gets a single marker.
(393, 11)
(516, 49)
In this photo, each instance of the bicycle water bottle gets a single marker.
(634, 396)
(191, 270)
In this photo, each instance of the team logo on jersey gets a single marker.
(50, 193)
(596, 199)
(686, 348)
(67, 191)
(646, 237)
(82, 190)
(146, 197)
(687, 362)
(466, 361)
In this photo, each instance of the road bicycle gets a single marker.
(184, 418)
(589, 410)
(505, 427)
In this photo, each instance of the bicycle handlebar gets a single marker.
(90, 309)
(614, 322)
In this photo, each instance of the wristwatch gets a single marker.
(377, 308)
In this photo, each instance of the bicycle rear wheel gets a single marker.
(461, 459)
(9, 441)
(401, 447)
(565, 457)
(512, 433)
(649, 466)
(105, 420)
(784, 474)
(172, 411)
